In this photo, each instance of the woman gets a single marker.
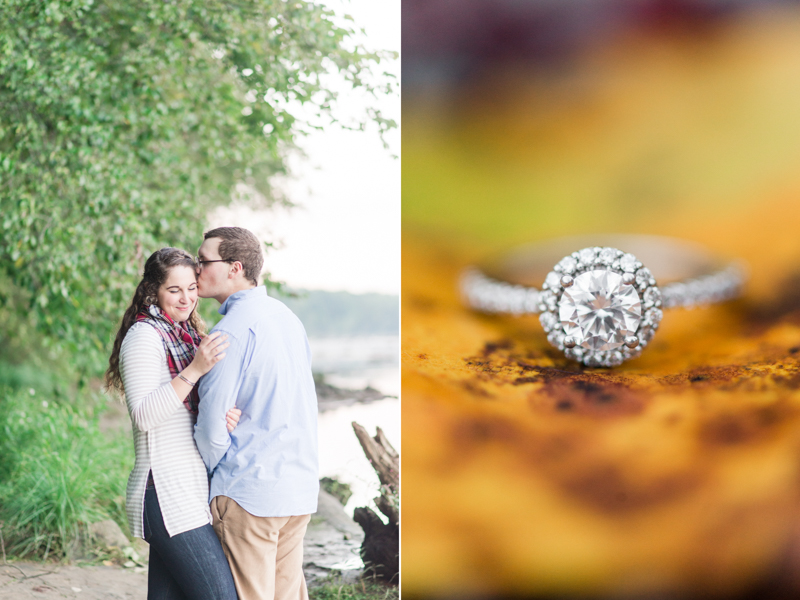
(157, 359)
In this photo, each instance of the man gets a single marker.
(264, 474)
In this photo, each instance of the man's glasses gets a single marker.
(200, 263)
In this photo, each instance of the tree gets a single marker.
(122, 124)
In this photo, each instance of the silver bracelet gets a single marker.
(191, 383)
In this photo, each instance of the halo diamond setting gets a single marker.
(600, 306)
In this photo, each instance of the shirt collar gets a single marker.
(242, 296)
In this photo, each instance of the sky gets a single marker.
(344, 235)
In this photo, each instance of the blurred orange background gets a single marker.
(524, 121)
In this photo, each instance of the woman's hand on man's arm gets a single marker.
(232, 418)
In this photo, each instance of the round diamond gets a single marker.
(556, 338)
(652, 297)
(643, 276)
(593, 360)
(587, 256)
(553, 280)
(646, 334)
(607, 255)
(548, 321)
(628, 263)
(653, 317)
(574, 353)
(599, 311)
(547, 301)
(568, 265)
(636, 352)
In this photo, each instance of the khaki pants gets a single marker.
(265, 553)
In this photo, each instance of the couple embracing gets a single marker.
(236, 406)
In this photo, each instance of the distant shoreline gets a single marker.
(330, 397)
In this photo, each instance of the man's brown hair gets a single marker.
(239, 244)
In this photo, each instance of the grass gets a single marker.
(340, 490)
(367, 588)
(58, 471)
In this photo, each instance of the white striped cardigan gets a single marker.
(163, 437)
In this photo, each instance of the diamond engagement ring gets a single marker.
(600, 304)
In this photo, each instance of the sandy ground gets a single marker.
(25, 580)
(32, 580)
(331, 546)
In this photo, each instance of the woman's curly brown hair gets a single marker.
(156, 271)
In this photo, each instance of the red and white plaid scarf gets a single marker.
(180, 343)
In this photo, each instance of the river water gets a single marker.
(355, 363)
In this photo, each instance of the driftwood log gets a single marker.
(381, 547)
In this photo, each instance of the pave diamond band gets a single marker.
(599, 304)
(492, 296)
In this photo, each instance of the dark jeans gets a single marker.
(187, 566)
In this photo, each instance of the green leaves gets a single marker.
(123, 124)
(58, 472)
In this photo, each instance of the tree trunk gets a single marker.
(381, 548)
(381, 455)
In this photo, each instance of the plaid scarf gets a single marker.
(180, 343)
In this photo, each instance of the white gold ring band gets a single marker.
(600, 297)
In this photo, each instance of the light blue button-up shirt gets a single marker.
(269, 463)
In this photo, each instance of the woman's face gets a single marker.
(177, 296)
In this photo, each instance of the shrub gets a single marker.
(58, 472)
(339, 490)
(124, 123)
